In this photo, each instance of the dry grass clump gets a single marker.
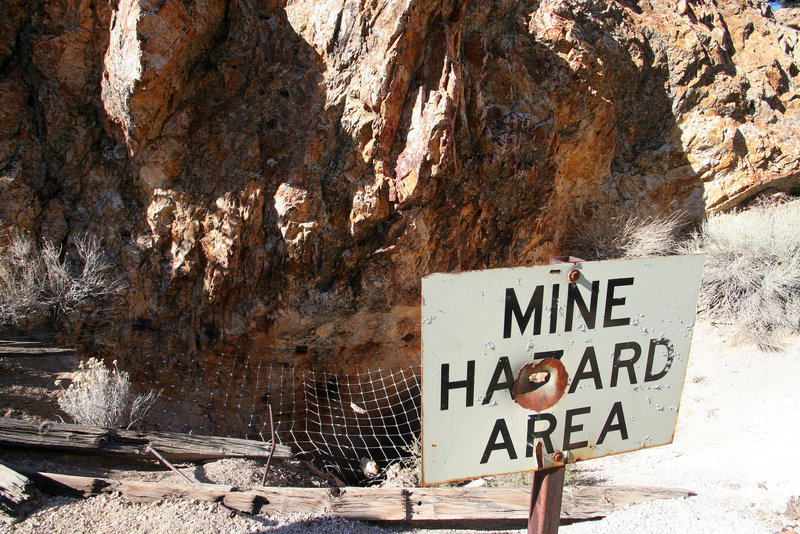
(627, 236)
(752, 272)
(39, 282)
(407, 472)
(19, 282)
(793, 508)
(751, 278)
(101, 396)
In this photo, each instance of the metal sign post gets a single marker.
(547, 488)
(530, 368)
(546, 493)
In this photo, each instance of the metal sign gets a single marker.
(528, 368)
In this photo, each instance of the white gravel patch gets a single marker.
(736, 445)
(707, 515)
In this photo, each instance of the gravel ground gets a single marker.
(110, 514)
(735, 446)
(706, 514)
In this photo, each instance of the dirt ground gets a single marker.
(735, 447)
(27, 383)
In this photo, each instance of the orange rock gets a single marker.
(289, 171)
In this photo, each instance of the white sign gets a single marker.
(604, 362)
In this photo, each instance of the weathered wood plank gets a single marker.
(30, 348)
(109, 441)
(378, 504)
(135, 491)
(431, 504)
(18, 495)
(579, 501)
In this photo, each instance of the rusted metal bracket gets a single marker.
(555, 260)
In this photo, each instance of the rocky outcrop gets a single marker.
(787, 17)
(282, 174)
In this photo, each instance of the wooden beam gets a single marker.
(375, 504)
(109, 441)
(134, 491)
(31, 348)
(401, 504)
(18, 495)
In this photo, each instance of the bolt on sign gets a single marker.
(531, 367)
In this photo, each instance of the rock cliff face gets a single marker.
(281, 174)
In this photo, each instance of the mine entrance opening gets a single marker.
(362, 430)
(334, 411)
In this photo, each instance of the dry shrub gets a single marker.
(39, 282)
(407, 472)
(19, 282)
(101, 396)
(793, 508)
(627, 236)
(751, 278)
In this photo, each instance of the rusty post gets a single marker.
(548, 484)
(545, 511)
(272, 451)
(168, 464)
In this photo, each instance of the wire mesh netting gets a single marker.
(339, 411)
(335, 410)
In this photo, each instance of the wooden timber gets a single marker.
(376, 504)
(18, 494)
(110, 441)
(31, 348)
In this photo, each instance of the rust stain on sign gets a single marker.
(541, 385)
